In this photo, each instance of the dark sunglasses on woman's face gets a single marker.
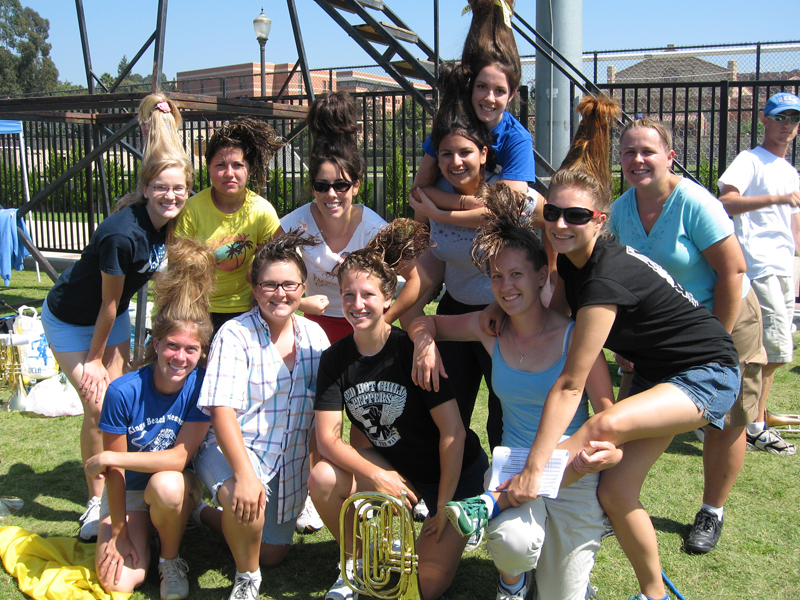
(340, 187)
(573, 215)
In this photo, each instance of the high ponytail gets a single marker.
(490, 40)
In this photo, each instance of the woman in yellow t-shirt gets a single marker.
(232, 219)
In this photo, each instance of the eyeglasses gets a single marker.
(272, 286)
(574, 215)
(340, 187)
(780, 118)
(163, 190)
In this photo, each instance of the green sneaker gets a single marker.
(468, 516)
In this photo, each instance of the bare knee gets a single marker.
(322, 480)
(167, 490)
(617, 499)
(604, 426)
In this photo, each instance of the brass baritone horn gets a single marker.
(11, 370)
(389, 570)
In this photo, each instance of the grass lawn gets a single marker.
(758, 555)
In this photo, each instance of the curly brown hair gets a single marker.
(507, 224)
(389, 251)
(258, 142)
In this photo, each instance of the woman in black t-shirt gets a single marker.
(85, 314)
(622, 301)
(418, 443)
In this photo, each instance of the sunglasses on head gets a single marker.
(780, 118)
(573, 215)
(339, 187)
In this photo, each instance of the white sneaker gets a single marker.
(420, 512)
(475, 541)
(194, 518)
(90, 520)
(245, 588)
(504, 594)
(340, 590)
(174, 583)
(309, 520)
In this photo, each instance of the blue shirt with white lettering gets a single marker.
(149, 420)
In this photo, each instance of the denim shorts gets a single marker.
(64, 337)
(213, 469)
(712, 387)
(469, 484)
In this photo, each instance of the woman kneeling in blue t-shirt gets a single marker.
(151, 429)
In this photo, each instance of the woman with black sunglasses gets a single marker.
(336, 169)
(686, 372)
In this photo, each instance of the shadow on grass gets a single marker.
(685, 444)
(22, 481)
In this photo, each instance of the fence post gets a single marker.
(595, 67)
(758, 61)
(722, 162)
(224, 87)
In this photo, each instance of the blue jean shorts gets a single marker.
(64, 337)
(469, 484)
(213, 469)
(712, 387)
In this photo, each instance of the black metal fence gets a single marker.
(711, 121)
(393, 127)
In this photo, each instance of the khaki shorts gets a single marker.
(776, 297)
(134, 499)
(747, 338)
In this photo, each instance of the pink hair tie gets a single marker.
(163, 106)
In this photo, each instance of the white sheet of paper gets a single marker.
(507, 462)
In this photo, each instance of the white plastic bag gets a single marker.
(54, 397)
(36, 358)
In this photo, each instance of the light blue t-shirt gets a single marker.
(522, 396)
(690, 221)
(151, 422)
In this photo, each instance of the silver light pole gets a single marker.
(262, 24)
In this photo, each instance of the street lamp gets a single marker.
(262, 24)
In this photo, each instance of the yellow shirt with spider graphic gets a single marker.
(234, 239)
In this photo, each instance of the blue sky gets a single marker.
(209, 33)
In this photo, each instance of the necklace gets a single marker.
(536, 339)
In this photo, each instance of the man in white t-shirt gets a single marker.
(761, 191)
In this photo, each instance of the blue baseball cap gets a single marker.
(781, 102)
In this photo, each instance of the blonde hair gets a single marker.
(662, 130)
(183, 294)
(163, 119)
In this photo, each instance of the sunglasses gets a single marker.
(781, 118)
(340, 187)
(272, 286)
(573, 215)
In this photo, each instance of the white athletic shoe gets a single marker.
(174, 583)
(309, 520)
(90, 520)
(245, 588)
(340, 590)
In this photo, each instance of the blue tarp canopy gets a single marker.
(10, 127)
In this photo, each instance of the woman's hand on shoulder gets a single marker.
(94, 381)
(427, 366)
(491, 319)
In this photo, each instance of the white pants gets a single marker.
(558, 537)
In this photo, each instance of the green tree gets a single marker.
(25, 63)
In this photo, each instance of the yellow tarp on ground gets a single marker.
(52, 568)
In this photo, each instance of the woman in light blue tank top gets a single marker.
(525, 364)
